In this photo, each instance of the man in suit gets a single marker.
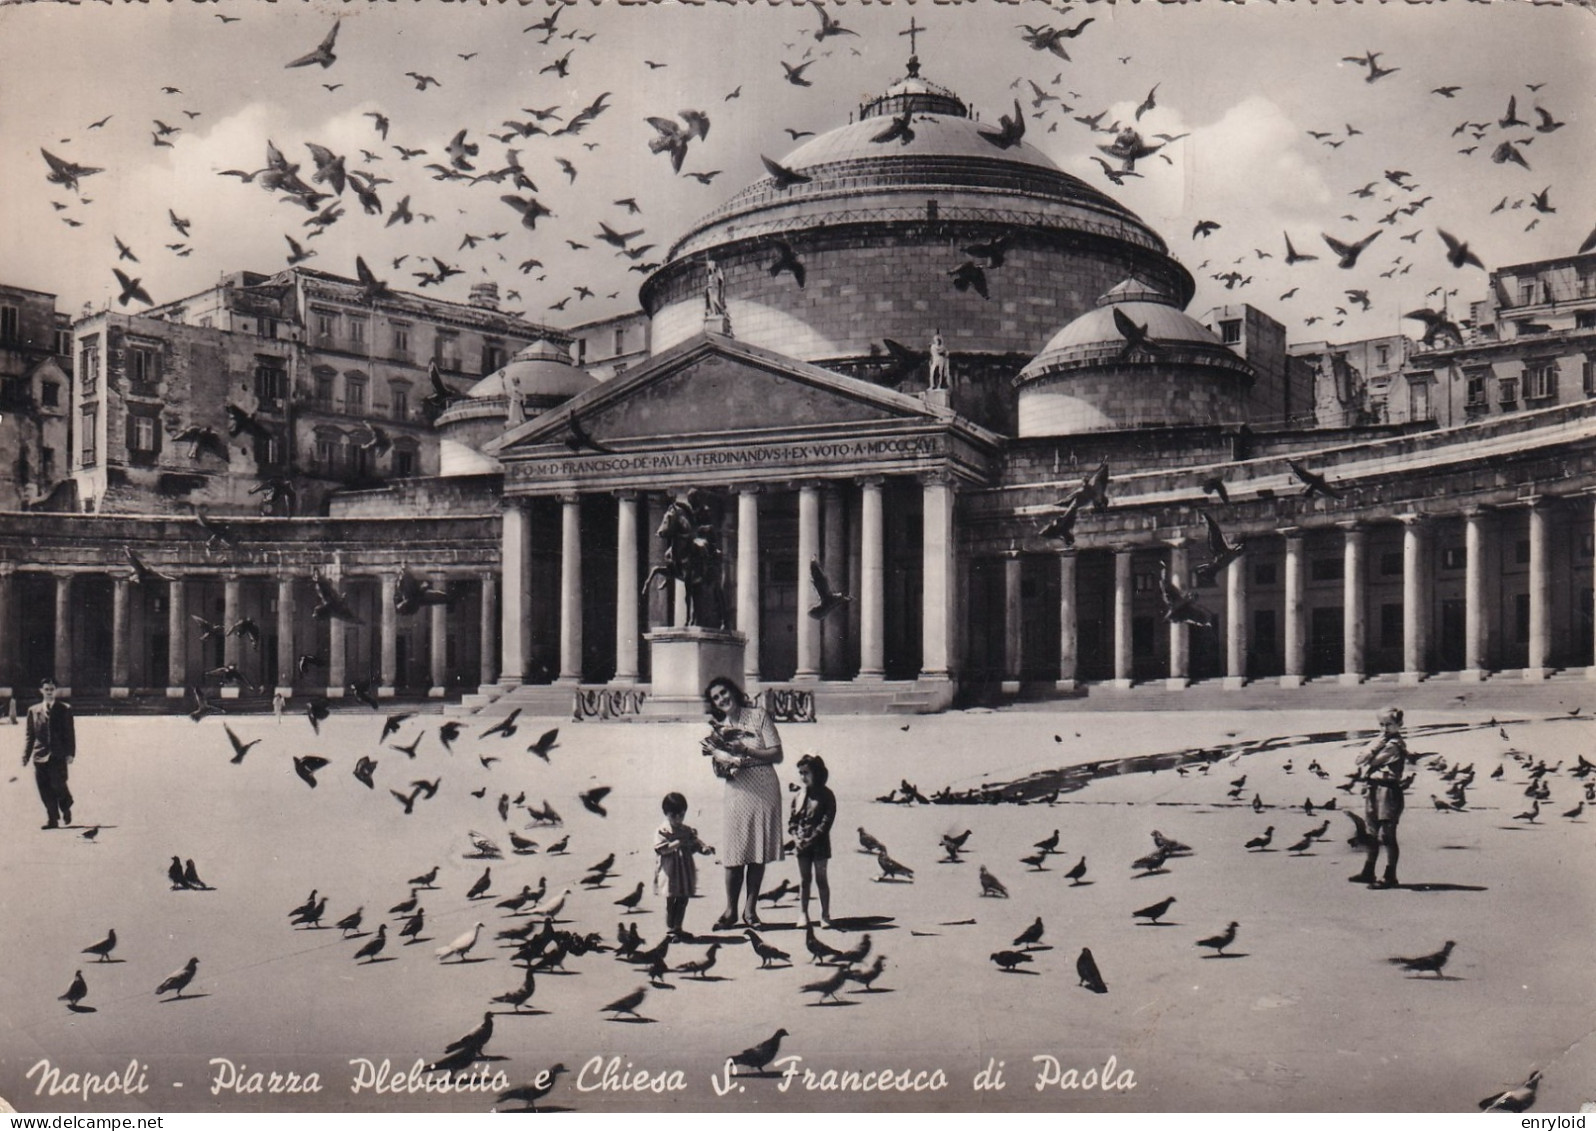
(51, 744)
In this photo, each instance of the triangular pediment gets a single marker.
(715, 385)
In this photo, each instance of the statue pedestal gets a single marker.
(718, 324)
(683, 661)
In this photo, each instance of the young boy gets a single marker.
(1382, 767)
(675, 844)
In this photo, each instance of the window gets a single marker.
(326, 324)
(143, 438)
(1230, 331)
(1144, 582)
(10, 324)
(401, 341)
(581, 350)
(1455, 557)
(326, 452)
(324, 390)
(446, 349)
(1585, 320)
(1507, 390)
(143, 369)
(88, 435)
(89, 364)
(1382, 356)
(1587, 283)
(47, 464)
(50, 394)
(14, 393)
(1521, 618)
(399, 399)
(1391, 563)
(268, 452)
(1327, 569)
(357, 331)
(354, 393)
(266, 327)
(1475, 387)
(63, 343)
(493, 357)
(1526, 292)
(1521, 552)
(1540, 379)
(404, 462)
(271, 382)
(1263, 573)
(620, 339)
(1587, 374)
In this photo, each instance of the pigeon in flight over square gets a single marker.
(323, 55)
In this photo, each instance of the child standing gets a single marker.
(675, 845)
(810, 825)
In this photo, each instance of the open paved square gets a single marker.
(1303, 1011)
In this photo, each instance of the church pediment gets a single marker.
(711, 385)
(714, 408)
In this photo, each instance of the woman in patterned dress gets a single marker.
(746, 749)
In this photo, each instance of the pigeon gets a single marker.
(351, 922)
(1032, 935)
(323, 55)
(700, 967)
(530, 1094)
(1074, 874)
(1521, 1098)
(519, 996)
(413, 924)
(630, 902)
(1007, 960)
(1156, 911)
(306, 767)
(819, 949)
(240, 748)
(591, 800)
(76, 992)
(102, 949)
(1426, 963)
(891, 869)
(1457, 252)
(1135, 335)
(373, 947)
(461, 946)
(627, 1004)
(760, 1055)
(1261, 842)
(970, 276)
(828, 987)
(505, 727)
(869, 844)
(310, 914)
(1220, 941)
(785, 178)
(544, 744)
(991, 885)
(364, 769)
(765, 952)
(1349, 253)
(480, 888)
(1087, 973)
(1010, 131)
(191, 877)
(1313, 482)
(178, 980)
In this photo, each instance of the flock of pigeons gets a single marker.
(549, 930)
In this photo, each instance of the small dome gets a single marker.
(1095, 334)
(542, 372)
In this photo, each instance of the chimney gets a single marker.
(485, 295)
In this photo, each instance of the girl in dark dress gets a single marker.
(810, 826)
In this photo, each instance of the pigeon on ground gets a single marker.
(1156, 911)
(1426, 963)
(351, 922)
(828, 987)
(868, 843)
(373, 947)
(76, 992)
(991, 885)
(530, 1094)
(891, 869)
(627, 1004)
(461, 946)
(1219, 942)
(484, 882)
(1009, 959)
(178, 980)
(760, 1055)
(1074, 874)
(765, 952)
(702, 966)
(819, 950)
(104, 947)
(1086, 970)
(1032, 935)
(630, 902)
(519, 996)
(1261, 842)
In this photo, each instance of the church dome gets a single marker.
(1089, 377)
(881, 227)
(542, 373)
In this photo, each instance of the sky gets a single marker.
(1245, 85)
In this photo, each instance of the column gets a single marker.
(1539, 662)
(1068, 622)
(438, 641)
(1013, 626)
(1415, 599)
(938, 567)
(1354, 628)
(388, 636)
(487, 662)
(286, 660)
(1236, 624)
(834, 558)
(1179, 631)
(808, 551)
(872, 582)
(570, 589)
(8, 638)
(337, 636)
(230, 616)
(119, 642)
(626, 595)
(1122, 617)
(177, 637)
(1296, 609)
(1476, 617)
(63, 632)
(748, 582)
(515, 566)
